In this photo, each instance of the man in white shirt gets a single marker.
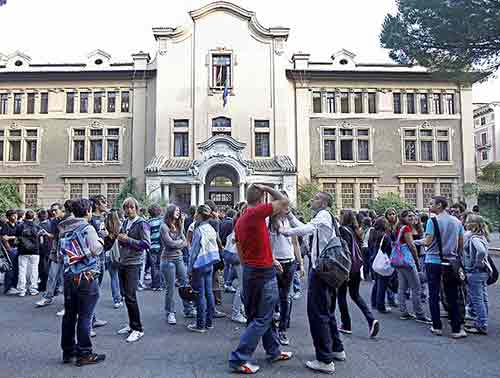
(321, 298)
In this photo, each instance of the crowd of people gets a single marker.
(257, 252)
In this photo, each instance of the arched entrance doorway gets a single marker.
(221, 185)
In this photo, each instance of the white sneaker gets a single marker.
(22, 293)
(60, 313)
(321, 366)
(134, 336)
(34, 292)
(239, 319)
(43, 302)
(12, 291)
(92, 333)
(124, 331)
(118, 305)
(339, 356)
(459, 335)
(171, 319)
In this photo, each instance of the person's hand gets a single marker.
(260, 187)
(104, 233)
(122, 237)
(278, 266)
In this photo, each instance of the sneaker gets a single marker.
(34, 292)
(211, 326)
(437, 332)
(374, 329)
(91, 359)
(282, 338)
(194, 328)
(276, 316)
(407, 316)
(458, 335)
(476, 331)
(134, 336)
(239, 319)
(321, 366)
(423, 320)
(92, 333)
(283, 356)
(171, 318)
(345, 331)
(219, 314)
(339, 356)
(43, 302)
(68, 358)
(229, 289)
(246, 368)
(12, 291)
(60, 313)
(99, 323)
(147, 277)
(190, 315)
(21, 294)
(297, 296)
(386, 310)
(124, 331)
(118, 305)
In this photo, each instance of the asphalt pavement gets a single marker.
(29, 345)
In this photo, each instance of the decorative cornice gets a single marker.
(230, 141)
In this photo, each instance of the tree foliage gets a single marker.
(305, 194)
(9, 196)
(389, 200)
(129, 189)
(444, 34)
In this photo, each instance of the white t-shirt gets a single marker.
(281, 245)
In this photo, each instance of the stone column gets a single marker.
(303, 101)
(350, 95)
(404, 108)
(364, 97)
(242, 191)
(357, 199)
(454, 191)
(193, 194)
(437, 187)
(165, 192)
(338, 195)
(420, 195)
(201, 194)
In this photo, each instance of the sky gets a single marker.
(67, 30)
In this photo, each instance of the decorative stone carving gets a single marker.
(279, 47)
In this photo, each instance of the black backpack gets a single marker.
(28, 241)
(334, 261)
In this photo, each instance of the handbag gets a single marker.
(453, 270)
(382, 264)
(114, 253)
(492, 271)
(401, 256)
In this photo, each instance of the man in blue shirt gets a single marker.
(452, 241)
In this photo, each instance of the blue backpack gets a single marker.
(77, 256)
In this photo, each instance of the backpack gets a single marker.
(356, 256)
(77, 256)
(334, 261)
(28, 241)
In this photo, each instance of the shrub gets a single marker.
(9, 196)
(389, 200)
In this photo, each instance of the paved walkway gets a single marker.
(29, 346)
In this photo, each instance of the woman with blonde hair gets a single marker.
(476, 267)
(112, 225)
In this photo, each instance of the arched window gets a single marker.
(221, 122)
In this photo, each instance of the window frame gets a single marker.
(180, 125)
(17, 106)
(413, 108)
(88, 138)
(30, 103)
(395, 109)
(23, 139)
(44, 104)
(70, 102)
(185, 152)
(355, 137)
(125, 108)
(212, 80)
(418, 138)
(4, 103)
(261, 126)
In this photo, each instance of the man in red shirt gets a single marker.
(260, 288)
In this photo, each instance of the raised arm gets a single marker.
(280, 202)
(167, 241)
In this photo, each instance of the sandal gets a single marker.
(283, 356)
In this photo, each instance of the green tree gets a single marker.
(9, 196)
(129, 189)
(444, 35)
(389, 200)
(305, 194)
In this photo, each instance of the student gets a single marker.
(45, 243)
(203, 254)
(352, 234)
(112, 224)
(172, 264)
(475, 258)
(134, 238)
(260, 287)
(81, 292)
(408, 277)
(380, 239)
(155, 221)
(28, 249)
(8, 238)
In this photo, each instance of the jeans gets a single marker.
(79, 305)
(55, 279)
(284, 287)
(172, 269)
(11, 277)
(142, 271)
(43, 271)
(353, 285)
(205, 305)
(409, 279)
(260, 296)
(478, 294)
(434, 275)
(128, 276)
(231, 260)
(157, 280)
(297, 284)
(379, 291)
(236, 307)
(321, 301)
(112, 269)
(28, 263)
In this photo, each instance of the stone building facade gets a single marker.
(219, 106)
(486, 133)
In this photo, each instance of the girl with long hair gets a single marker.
(408, 277)
(380, 240)
(112, 225)
(352, 234)
(172, 266)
